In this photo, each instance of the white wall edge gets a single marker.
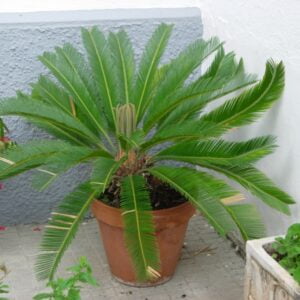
(74, 16)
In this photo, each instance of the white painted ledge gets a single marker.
(63, 5)
(103, 15)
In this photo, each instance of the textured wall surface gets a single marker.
(23, 38)
(258, 30)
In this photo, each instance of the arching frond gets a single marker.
(61, 230)
(248, 106)
(103, 70)
(219, 151)
(48, 91)
(103, 170)
(190, 130)
(148, 67)
(248, 220)
(66, 68)
(124, 61)
(71, 56)
(49, 117)
(203, 191)
(26, 157)
(139, 227)
(193, 98)
(65, 220)
(257, 183)
(56, 165)
(179, 70)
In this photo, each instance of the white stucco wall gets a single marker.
(255, 30)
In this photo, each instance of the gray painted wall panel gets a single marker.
(23, 38)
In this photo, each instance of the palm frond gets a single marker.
(103, 69)
(71, 56)
(203, 91)
(123, 59)
(29, 156)
(219, 151)
(139, 227)
(257, 183)
(66, 219)
(177, 73)
(56, 165)
(65, 67)
(223, 65)
(50, 118)
(48, 91)
(248, 220)
(103, 171)
(215, 66)
(203, 191)
(61, 230)
(148, 66)
(189, 130)
(249, 105)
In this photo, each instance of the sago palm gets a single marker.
(130, 122)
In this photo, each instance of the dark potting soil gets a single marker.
(273, 253)
(161, 194)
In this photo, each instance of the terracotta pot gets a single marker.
(170, 227)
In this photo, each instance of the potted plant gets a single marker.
(129, 122)
(273, 267)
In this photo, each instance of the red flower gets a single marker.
(5, 139)
(1, 186)
(2, 228)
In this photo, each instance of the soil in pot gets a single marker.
(161, 194)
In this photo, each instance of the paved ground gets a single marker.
(201, 274)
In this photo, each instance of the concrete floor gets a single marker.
(209, 267)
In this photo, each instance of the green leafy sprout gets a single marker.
(69, 288)
(288, 251)
(127, 119)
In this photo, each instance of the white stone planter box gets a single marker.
(265, 279)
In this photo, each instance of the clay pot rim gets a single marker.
(113, 216)
(156, 212)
